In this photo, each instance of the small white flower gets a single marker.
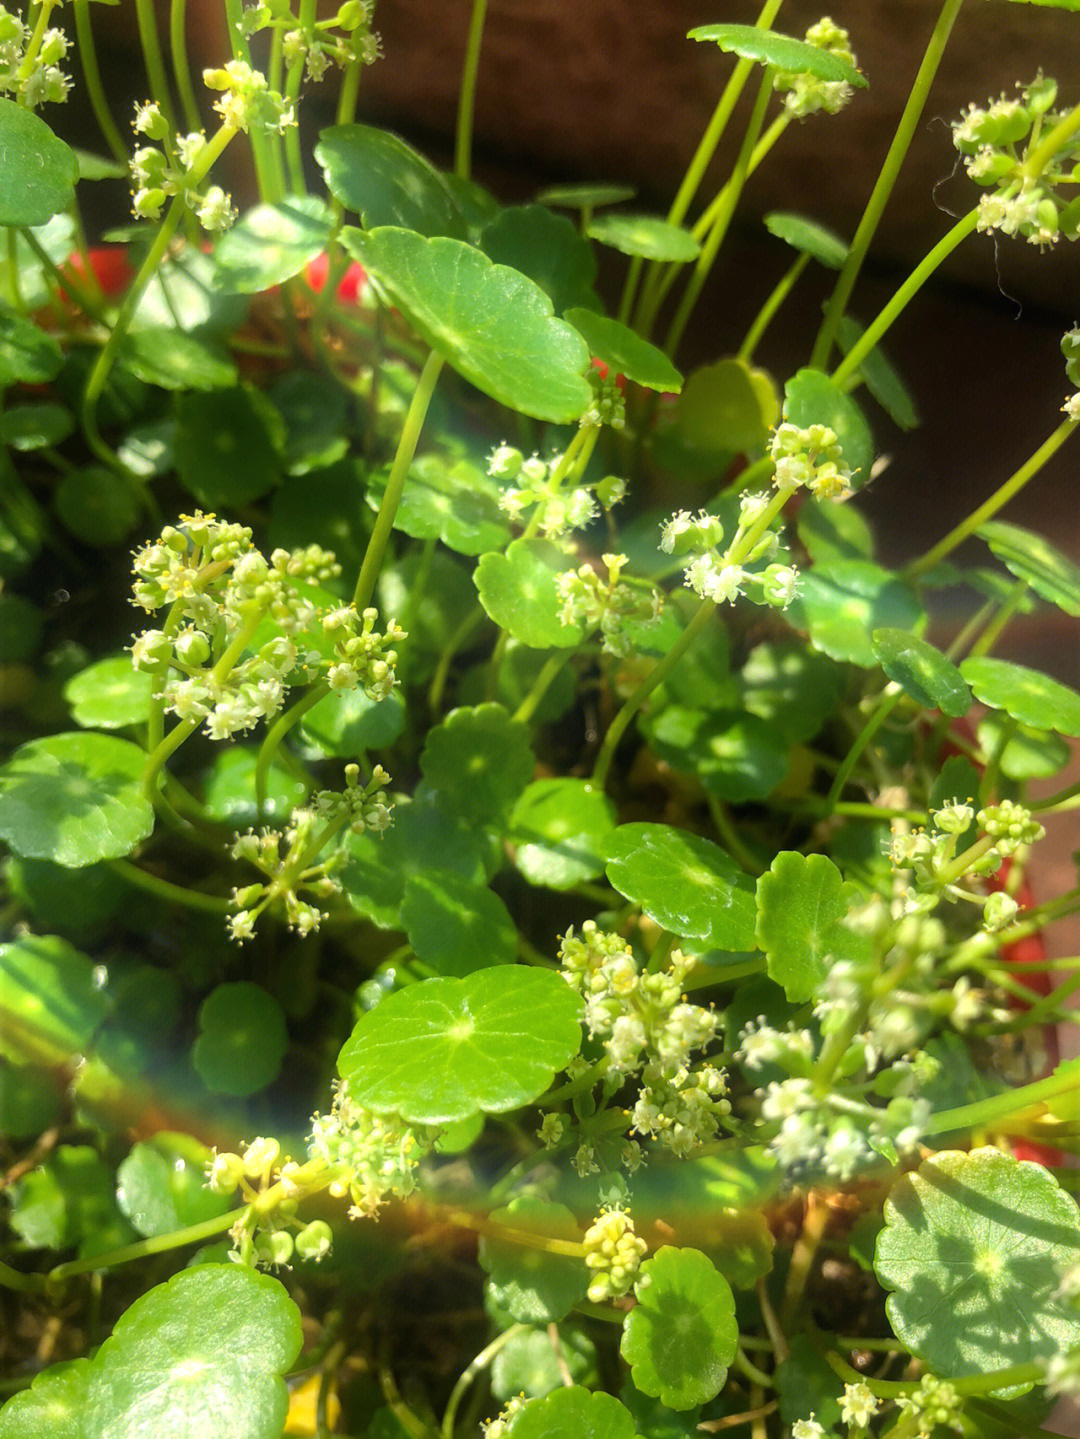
(857, 1405)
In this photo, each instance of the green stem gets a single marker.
(276, 733)
(478, 1365)
(553, 666)
(78, 289)
(983, 1112)
(167, 891)
(181, 69)
(155, 65)
(399, 470)
(911, 286)
(84, 37)
(883, 186)
(467, 95)
(729, 836)
(158, 1244)
(656, 675)
(888, 702)
(992, 633)
(1053, 141)
(349, 94)
(1001, 496)
(17, 1280)
(442, 670)
(764, 316)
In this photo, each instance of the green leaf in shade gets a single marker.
(51, 1002)
(70, 902)
(834, 532)
(32, 427)
(31, 1098)
(1028, 753)
(38, 174)
(109, 694)
(572, 1411)
(147, 450)
(801, 904)
(175, 360)
(456, 925)
(726, 408)
(532, 1285)
(687, 884)
(182, 296)
(98, 167)
(559, 828)
(229, 792)
(1030, 697)
(325, 508)
(27, 354)
(519, 591)
(69, 1203)
(1031, 557)
(518, 673)
(214, 1340)
(624, 352)
(808, 237)
(97, 506)
(681, 1336)
(812, 398)
(736, 756)
(456, 502)
(444, 1049)
(242, 1039)
(780, 51)
(423, 837)
(842, 602)
(479, 760)
(585, 195)
(271, 244)
(21, 627)
(530, 1364)
(385, 181)
(807, 1387)
(794, 688)
(973, 1248)
(161, 1185)
(316, 417)
(922, 671)
(646, 235)
(548, 248)
(225, 447)
(52, 1408)
(493, 324)
(74, 798)
(347, 724)
(880, 377)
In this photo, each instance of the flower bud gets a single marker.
(275, 1248)
(315, 1240)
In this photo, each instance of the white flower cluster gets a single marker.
(376, 1155)
(319, 48)
(178, 168)
(858, 1405)
(650, 1030)
(262, 1231)
(247, 102)
(499, 1427)
(558, 504)
(831, 1133)
(724, 577)
(219, 588)
(613, 1254)
(30, 60)
(806, 94)
(589, 601)
(810, 457)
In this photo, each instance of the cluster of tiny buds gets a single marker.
(539, 487)
(608, 406)
(360, 807)
(499, 1427)
(612, 606)
(721, 577)
(263, 1234)
(319, 48)
(805, 94)
(613, 1254)
(30, 60)
(178, 167)
(811, 458)
(935, 1405)
(373, 1156)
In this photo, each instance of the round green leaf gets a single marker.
(519, 591)
(225, 451)
(271, 244)
(214, 1340)
(1028, 753)
(316, 420)
(229, 793)
(794, 688)
(174, 360)
(38, 174)
(456, 502)
(801, 903)
(456, 925)
(687, 884)
(548, 248)
(51, 1003)
(780, 51)
(573, 1411)
(530, 1364)
(534, 1286)
(646, 235)
(32, 427)
(27, 354)
(52, 1408)
(1030, 697)
(182, 296)
(988, 1238)
(97, 506)
(834, 532)
(479, 760)
(30, 1100)
(726, 408)
(20, 629)
(922, 671)
(109, 694)
(812, 398)
(1031, 557)
(385, 181)
(493, 324)
(68, 901)
(808, 237)
(345, 724)
(842, 602)
(736, 756)
(624, 352)
(444, 1049)
(681, 1336)
(243, 1039)
(559, 828)
(161, 1185)
(585, 196)
(74, 798)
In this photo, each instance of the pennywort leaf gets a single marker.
(681, 1336)
(1029, 696)
(780, 51)
(801, 904)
